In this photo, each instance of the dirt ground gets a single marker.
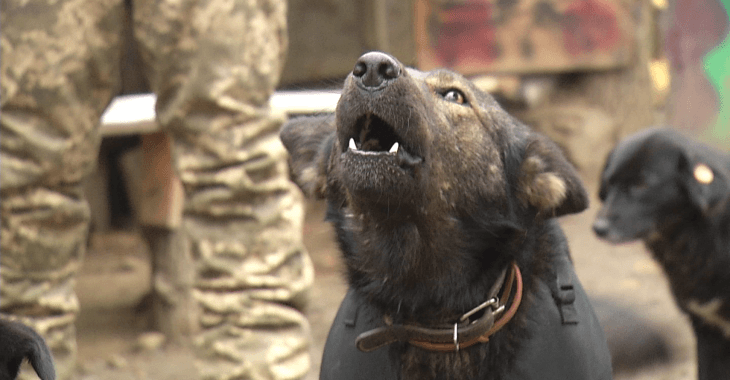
(115, 278)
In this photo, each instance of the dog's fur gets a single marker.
(426, 232)
(18, 342)
(653, 189)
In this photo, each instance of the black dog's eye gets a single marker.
(639, 186)
(455, 96)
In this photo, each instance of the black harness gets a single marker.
(566, 340)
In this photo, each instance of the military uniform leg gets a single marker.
(59, 67)
(214, 65)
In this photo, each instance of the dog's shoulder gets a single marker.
(19, 342)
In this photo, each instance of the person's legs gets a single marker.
(59, 71)
(213, 65)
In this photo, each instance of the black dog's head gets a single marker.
(416, 163)
(19, 342)
(656, 178)
(412, 140)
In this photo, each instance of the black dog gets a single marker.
(672, 193)
(18, 342)
(444, 208)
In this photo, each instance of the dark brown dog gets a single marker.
(672, 193)
(19, 342)
(444, 204)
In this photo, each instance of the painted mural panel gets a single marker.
(518, 36)
(698, 48)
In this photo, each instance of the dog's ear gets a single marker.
(548, 182)
(309, 141)
(18, 342)
(705, 183)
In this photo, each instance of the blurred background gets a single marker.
(584, 72)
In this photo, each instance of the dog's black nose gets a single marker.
(601, 226)
(375, 68)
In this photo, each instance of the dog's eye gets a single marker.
(455, 96)
(639, 186)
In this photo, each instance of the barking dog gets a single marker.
(672, 193)
(18, 342)
(444, 207)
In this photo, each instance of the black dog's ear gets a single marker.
(548, 182)
(309, 141)
(705, 183)
(18, 342)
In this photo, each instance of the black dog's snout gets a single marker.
(375, 68)
(601, 226)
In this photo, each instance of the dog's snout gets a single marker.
(375, 69)
(601, 226)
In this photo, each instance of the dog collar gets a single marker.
(464, 332)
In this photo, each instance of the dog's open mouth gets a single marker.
(375, 137)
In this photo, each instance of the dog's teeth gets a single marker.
(394, 148)
(352, 144)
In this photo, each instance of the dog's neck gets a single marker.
(474, 327)
(400, 265)
(683, 249)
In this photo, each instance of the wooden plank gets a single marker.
(162, 195)
(523, 36)
(305, 102)
(162, 192)
(130, 114)
(135, 114)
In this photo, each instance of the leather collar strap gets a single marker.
(464, 333)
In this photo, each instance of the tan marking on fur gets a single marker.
(311, 182)
(708, 312)
(549, 191)
(542, 190)
(532, 165)
(308, 175)
(703, 174)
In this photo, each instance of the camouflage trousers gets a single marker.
(213, 65)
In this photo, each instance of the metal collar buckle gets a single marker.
(456, 336)
(492, 302)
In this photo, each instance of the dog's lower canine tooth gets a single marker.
(352, 144)
(394, 148)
